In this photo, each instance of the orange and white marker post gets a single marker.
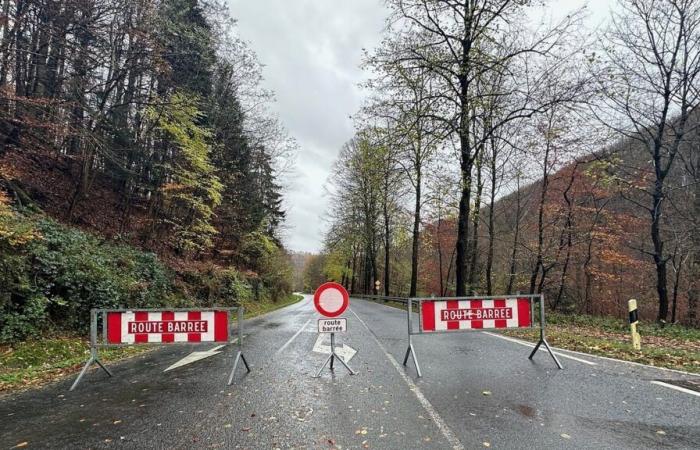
(634, 320)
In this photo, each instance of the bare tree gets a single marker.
(653, 57)
(455, 40)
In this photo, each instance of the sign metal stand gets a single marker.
(330, 359)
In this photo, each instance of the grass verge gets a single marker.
(671, 347)
(37, 362)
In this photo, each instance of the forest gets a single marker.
(139, 162)
(500, 152)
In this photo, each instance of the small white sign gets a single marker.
(332, 325)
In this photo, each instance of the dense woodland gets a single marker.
(501, 153)
(133, 127)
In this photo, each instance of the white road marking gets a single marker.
(344, 351)
(195, 356)
(527, 344)
(647, 366)
(677, 388)
(439, 422)
(286, 344)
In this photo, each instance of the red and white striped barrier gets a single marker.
(122, 327)
(163, 327)
(449, 315)
(445, 315)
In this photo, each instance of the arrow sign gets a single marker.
(197, 356)
(344, 351)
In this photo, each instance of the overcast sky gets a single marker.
(311, 50)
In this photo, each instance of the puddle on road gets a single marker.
(527, 411)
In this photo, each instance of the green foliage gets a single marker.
(78, 271)
(194, 190)
(602, 171)
(271, 263)
(59, 274)
(218, 286)
(315, 273)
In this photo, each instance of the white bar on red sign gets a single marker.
(447, 315)
(332, 325)
(147, 327)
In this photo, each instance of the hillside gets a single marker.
(595, 233)
(134, 132)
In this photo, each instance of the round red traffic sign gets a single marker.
(331, 299)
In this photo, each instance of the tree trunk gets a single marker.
(539, 260)
(678, 267)
(474, 247)
(567, 232)
(354, 266)
(416, 236)
(492, 233)
(516, 239)
(439, 251)
(387, 239)
(694, 268)
(660, 260)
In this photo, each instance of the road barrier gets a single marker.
(461, 314)
(125, 327)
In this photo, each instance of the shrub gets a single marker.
(217, 286)
(56, 274)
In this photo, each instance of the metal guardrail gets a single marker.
(403, 300)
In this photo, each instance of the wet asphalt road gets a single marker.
(529, 404)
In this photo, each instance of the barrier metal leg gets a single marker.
(99, 363)
(543, 339)
(534, 350)
(551, 353)
(94, 359)
(410, 350)
(239, 355)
